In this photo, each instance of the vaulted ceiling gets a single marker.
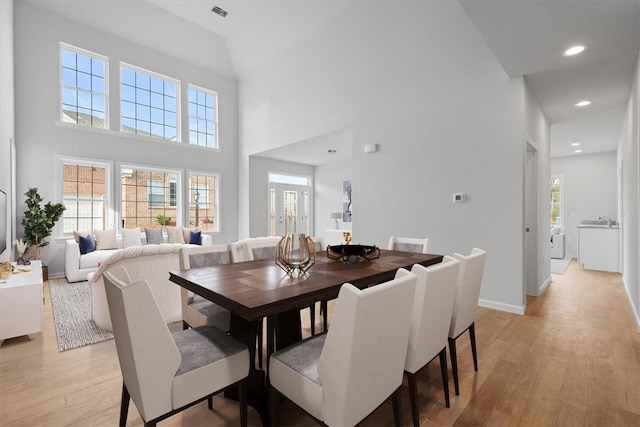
(527, 37)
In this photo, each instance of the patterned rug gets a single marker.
(71, 303)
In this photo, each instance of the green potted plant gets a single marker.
(38, 222)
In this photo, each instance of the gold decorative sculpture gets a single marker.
(295, 254)
(347, 237)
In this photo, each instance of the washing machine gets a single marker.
(557, 245)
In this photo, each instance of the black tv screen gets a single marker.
(3, 221)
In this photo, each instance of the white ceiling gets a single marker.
(526, 36)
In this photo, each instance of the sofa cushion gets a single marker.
(154, 235)
(105, 239)
(86, 244)
(187, 233)
(195, 238)
(175, 235)
(131, 237)
(77, 234)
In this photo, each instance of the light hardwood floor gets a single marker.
(572, 360)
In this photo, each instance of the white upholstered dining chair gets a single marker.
(408, 244)
(342, 376)
(165, 373)
(465, 305)
(196, 310)
(432, 308)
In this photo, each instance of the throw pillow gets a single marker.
(187, 233)
(77, 234)
(154, 235)
(131, 237)
(86, 244)
(195, 238)
(105, 239)
(175, 235)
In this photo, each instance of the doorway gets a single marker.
(531, 223)
(290, 205)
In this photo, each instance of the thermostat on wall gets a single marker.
(459, 197)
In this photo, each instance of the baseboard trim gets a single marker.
(542, 288)
(634, 309)
(509, 308)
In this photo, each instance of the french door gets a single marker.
(290, 209)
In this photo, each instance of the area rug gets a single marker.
(71, 303)
(559, 266)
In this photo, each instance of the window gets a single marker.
(203, 117)
(84, 194)
(203, 202)
(149, 104)
(156, 193)
(83, 86)
(146, 194)
(557, 196)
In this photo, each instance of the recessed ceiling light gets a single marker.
(577, 151)
(220, 11)
(574, 50)
(575, 143)
(583, 103)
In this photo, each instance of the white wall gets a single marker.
(422, 84)
(6, 115)
(590, 184)
(629, 161)
(39, 139)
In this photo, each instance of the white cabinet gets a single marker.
(598, 248)
(21, 299)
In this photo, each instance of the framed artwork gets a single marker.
(346, 201)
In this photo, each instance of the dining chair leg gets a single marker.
(124, 405)
(413, 397)
(274, 403)
(271, 328)
(472, 337)
(260, 342)
(396, 399)
(312, 318)
(323, 310)
(454, 364)
(445, 375)
(210, 403)
(243, 398)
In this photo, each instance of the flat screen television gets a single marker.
(3, 221)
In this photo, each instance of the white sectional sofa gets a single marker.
(77, 266)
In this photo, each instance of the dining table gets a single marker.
(255, 290)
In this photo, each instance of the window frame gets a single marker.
(214, 121)
(77, 50)
(108, 201)
(151, 74)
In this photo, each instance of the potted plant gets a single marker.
(38, 223)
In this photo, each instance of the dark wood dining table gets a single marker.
(260, 289)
